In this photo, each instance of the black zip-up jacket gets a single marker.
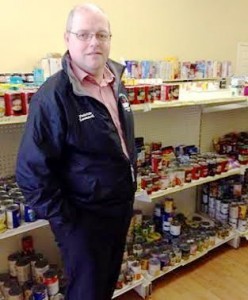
(70, 157)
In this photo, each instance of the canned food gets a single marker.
(41, 266)
(12, 260)
(27, 290)
(33, 259)
(13, 216)
(29, 214)
(51, 281)
(40, 292)
(2, 215)
(2, 106)
(23, 270)
(15, 293)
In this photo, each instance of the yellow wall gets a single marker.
(142, 29)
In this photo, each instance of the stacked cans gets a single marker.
(13, 208)
(223, 201)
(30, 276)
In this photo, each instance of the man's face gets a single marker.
(91, 56)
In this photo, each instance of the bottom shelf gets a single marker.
(128, 287)
(192, 258)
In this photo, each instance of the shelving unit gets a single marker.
(172, 123)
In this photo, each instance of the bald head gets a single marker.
(80, 10)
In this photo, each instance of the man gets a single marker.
(76, 160)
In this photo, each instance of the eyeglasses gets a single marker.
(86, 36)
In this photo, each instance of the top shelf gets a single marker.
(151, 106)
(184, 103)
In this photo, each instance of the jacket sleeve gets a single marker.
(39, 157)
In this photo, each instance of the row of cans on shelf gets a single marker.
(16, 78)
(226, 211)
(142, 93)
(167, 250)
(13, 209)
(15, 103)
(171, 69)
(164, 177)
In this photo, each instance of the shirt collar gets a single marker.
(108, 76)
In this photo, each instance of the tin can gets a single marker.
(15, 293)
(40, 292)
(234, 211)
(242, 225)
(2, 106)
(41, 266)
(12, 260)
(23, 270)
(2, 216)
(51, 281)
(26, 97)
(154, 266)
(13, 216)
(27, 290)
(175, 228)
(8, 284)
(13, 104)
(136, 268)
(29, 214)
(33, 259)
(3, 277)
(27, 245)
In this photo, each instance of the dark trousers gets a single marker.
(92, 250)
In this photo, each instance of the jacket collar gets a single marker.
(116, 68)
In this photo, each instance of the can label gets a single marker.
(40, 292)
(13, 216)
(29, 214)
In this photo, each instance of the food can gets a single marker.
(40, 292)
(154, 266)
(23, 270)
(2, 106)
(13, 216)
(12, 260)
(29, 214)
(41, 266)
(27, 290)
(51, 281)
(33, 259)
(2, 215)
(15, 293)
(13, 104)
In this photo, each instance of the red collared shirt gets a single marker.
(102, 92)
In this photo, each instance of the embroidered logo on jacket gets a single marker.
(86, 116)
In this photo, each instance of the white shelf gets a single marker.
(128, 287)
(13, 120)
(192, 258)
(23, 228)
(183, 103)
(143, 196)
